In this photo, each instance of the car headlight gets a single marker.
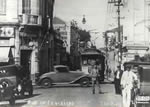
(1, 86)
(19, 87)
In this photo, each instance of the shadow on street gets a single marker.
(17, 104)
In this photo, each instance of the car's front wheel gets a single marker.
(84, 82)
(46, 83)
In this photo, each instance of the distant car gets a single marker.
(62, 75)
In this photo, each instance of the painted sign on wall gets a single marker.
(6, 32)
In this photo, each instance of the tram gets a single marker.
(92, 54)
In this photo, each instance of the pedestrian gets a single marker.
(127, 80)
(99, 67)
(117, 78)
(109, 72)
(93, 71)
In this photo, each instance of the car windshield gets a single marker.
(5, 73)
(62, 69)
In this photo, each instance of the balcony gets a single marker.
(28, 19)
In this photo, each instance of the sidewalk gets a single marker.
(109, 80)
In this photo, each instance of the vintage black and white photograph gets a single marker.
(74, 53)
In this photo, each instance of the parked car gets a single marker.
(24, 82)
(7, 91)
(141, 93)
(14, 82)
(8, 84)
(62, 75)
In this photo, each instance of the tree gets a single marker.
(84, 36)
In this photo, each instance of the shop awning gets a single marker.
(4, 54)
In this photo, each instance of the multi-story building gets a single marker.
(64, 29)
(134, 17)
(23, 24)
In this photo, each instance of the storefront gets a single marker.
(7, 43)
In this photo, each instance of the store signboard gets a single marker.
(6, 32)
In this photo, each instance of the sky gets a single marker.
(95, 15)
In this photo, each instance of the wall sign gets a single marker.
(6, 32)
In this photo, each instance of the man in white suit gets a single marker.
(127, 81)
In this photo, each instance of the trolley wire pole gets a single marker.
(118, 3)
(119, 35)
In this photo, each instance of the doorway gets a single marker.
(26, 60)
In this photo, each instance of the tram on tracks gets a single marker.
(92, 54)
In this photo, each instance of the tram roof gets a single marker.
(91, 52)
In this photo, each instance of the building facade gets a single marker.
(134, 16)
(23, 24)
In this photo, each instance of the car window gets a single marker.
(62, 69)
(144, 74)
(5, 73)
(8, 71)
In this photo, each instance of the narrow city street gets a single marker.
(70, 96)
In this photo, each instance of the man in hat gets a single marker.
(118, 75)
(127, 80)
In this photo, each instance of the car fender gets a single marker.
(79, 78)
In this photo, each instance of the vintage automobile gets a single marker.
(13, 83)
(8, 84)
(62, 75)
(142, 91)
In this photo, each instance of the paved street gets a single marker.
(70, 96)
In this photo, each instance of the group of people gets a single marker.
(124, 83)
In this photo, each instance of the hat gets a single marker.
(118, 66)
(128, 66)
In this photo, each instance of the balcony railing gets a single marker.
(27, 19)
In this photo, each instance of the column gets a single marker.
(17, 46)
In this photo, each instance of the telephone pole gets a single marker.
(118, 3)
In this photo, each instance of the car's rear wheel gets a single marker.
(84, 82)
(46, 83)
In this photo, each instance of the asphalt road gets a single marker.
(70, 96)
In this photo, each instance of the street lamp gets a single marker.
(83, 20)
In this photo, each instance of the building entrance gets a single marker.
(26, 60)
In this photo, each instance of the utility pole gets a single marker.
(119, 35)
(50, 9)
(118, 4)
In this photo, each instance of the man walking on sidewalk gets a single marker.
(93, 71)
(127, 81)
(118, 75)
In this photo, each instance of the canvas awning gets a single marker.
(4, 54)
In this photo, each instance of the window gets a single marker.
(2, 6)
(62, 69)
(26, 6)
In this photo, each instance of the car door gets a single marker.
(145, 80)
(74, 75)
